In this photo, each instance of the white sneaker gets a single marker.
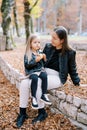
(45, 99)
(34, 103)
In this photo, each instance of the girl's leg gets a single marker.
(53, 82)
(34, 83)
(44, 97)
(43, 76)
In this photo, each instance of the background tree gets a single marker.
(59, 12)
(36, 12)
(27, 17)
(6, 20)
(73, 16)
(15, 18)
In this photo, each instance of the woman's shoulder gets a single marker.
(48, 45)
(71, 52)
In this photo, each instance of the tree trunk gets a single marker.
(31, 25)
(26, 18)
(15, 19)
(6, 20)
(80, 18)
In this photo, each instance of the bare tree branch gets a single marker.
(34, 5)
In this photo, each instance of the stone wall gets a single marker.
(71, 106)
(13, 75)
(79, 46)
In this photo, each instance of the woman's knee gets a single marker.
(53, 82)
(25, 84)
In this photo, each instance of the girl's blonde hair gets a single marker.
(28, 51)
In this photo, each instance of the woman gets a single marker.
(60, 62)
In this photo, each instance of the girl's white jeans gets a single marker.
(25, 91)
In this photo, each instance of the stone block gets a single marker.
(61, 95)
(84, 101)
(84, 108)
(69, 98)
(77, 101)
(68, 109)
(82, 118)
(52, 92)
(55, 101)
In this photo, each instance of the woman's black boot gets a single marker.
(21, 117)
(42, 115)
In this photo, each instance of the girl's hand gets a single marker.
(39, 57)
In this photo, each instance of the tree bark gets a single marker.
(15, 19)
(6, 20)
(31, 25)
(26, 18)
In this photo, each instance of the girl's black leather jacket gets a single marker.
(32, 66)
(67, 64)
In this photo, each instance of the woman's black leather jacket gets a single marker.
(67, 64)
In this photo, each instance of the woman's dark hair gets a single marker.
(63, 35)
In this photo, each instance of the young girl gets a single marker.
(34, 60)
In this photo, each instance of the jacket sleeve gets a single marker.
(72, 68)
(46, 48)
(29, 64)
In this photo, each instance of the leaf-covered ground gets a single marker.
(9, 96)
(9, 101)
(15, 58)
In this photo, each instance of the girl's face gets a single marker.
(35, 44)
(56, 41)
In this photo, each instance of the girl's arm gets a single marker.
(29, 64)
(33, 62)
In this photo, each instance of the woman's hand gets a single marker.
(44, 57)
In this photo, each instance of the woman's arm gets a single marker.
(72, 68)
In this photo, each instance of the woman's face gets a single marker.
(56, 41)
(35, 44)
